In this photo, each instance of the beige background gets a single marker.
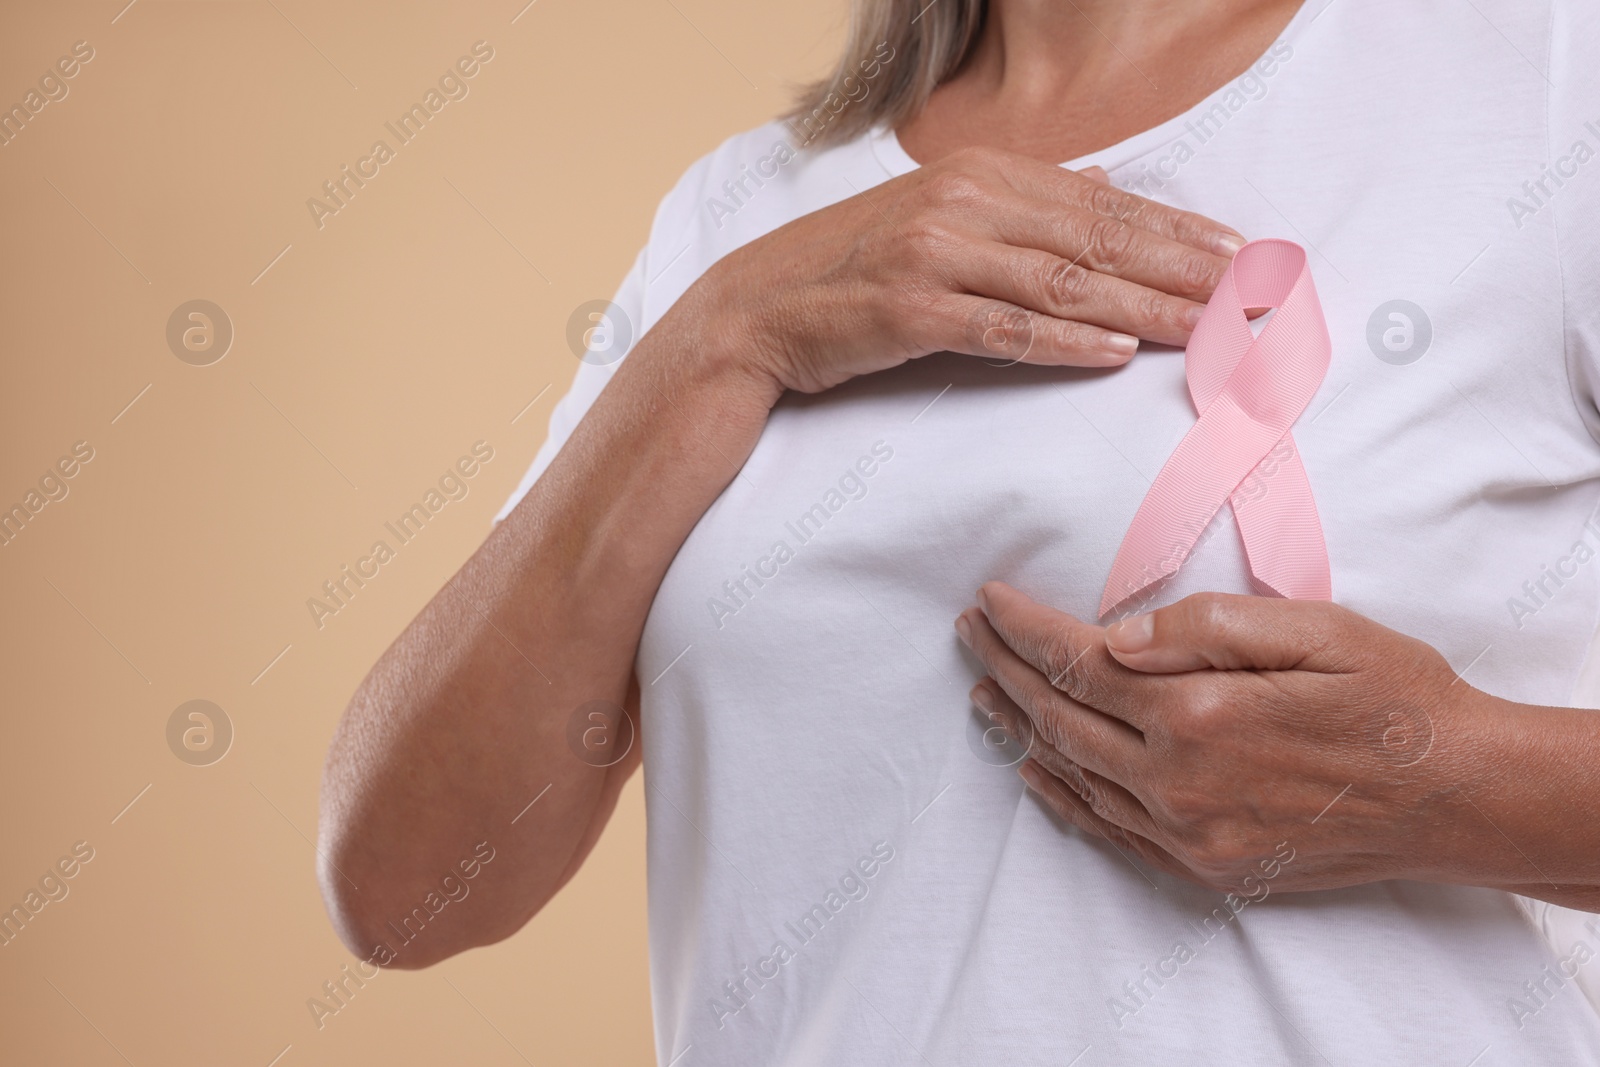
(424, 316)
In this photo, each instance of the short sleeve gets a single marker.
(686, 237)
(626, 316)
(1574, 163)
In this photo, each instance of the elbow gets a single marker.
(354, 919)
(354, 902)
(380, 848)
(370, 916)
(361, 879)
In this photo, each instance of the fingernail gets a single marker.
(1030, 774)
(1226, 244)
(1132, 635)
(1120, 345)
(981, 697)
(964, 629)
(983, 601)
(1193, 315)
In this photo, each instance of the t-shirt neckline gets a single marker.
(885, 142)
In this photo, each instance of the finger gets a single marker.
(1063, 289)
(1096, 174)
(1082, 734)
(1106, 245)
(1066, 188)
(1071, 654)
(997, 329)
(1222, 631)
(1110, 800)
(1065, 802)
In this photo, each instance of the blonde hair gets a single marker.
(896, 53)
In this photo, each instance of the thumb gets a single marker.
(1221, 631)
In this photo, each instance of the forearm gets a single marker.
(1525, 817)
(464, 719)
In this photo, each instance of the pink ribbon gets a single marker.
(1248, 391)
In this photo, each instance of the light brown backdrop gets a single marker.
(368, 354)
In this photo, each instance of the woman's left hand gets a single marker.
(1232, 740)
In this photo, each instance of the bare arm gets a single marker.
(464, 719)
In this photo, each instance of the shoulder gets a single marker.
(712, 181)
(751, 183)
(1570, 177)
(1574, 29)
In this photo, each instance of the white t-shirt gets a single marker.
(840, 872)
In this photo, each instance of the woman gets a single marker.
(870, 374)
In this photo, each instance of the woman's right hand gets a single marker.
(984, 252)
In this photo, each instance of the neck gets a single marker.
(1044, 49)
(1059, 78)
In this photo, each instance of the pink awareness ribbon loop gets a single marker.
(1248, 391)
